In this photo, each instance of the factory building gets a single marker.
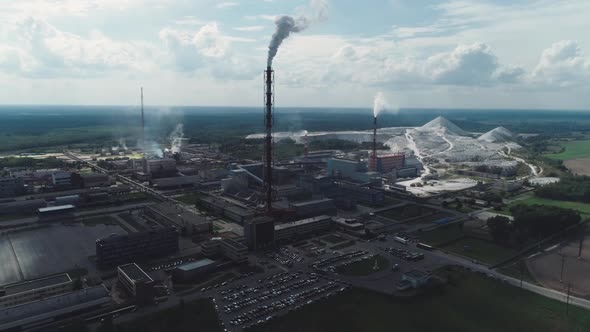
(351, 169)
(160, 167)
(228, 248)
(407, 172)
(70, 199)
(33, 290)
(136, 282)
(187, 221)
(314, 208)
(119, 249)
(178, 182)
(25, 206)
(359, 194)
(387, 163)
(91, 180)
(52, 308)
(61, 179)
(192, 270)
(302, 227)
(259, 233)
(226, 208)
(56, 212)
(11, 186)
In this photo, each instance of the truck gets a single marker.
(401, 240)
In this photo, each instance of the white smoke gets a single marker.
(122, 144)
(155, 150)
(380, 104)
(287, 24)
(176, 138)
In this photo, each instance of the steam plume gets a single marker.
(287, 24)
(380, 104)
(176, 138)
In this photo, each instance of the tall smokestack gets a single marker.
(268, 101)
(374, 156)
(142, 124)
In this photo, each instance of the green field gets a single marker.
(483, 251)
(583, 208)
(364, 267)
(199, 315)
(441, 235)
(573, 150)
(469, 303)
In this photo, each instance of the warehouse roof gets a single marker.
(196, 264)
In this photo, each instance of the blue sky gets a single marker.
(451, 54)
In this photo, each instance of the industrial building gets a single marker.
(302, 227)
(52, 308)
(314, 208)
(359, 194)
(190, 271)
(186, 221)
(11, 186)
(56, 212)
(136, 282)
(24, 206)
(387, 163)
(160, 167)
(33, 290)
(228, 248)
(61, 179)
(259, 233)
(91, 180)
(119, 249)
(178, 182)
(414, 279)
(225, 208)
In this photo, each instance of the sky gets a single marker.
(441, 54)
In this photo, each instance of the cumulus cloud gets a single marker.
(563, 64)
(206, 48)
(38, 49)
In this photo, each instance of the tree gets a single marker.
(500, 228)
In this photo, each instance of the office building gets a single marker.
(228, 248)
(293, 230)
(33, 290)
(231, 209)
(259, 233)
(136, 282)
(120, 249)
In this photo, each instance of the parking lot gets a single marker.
(255, 301)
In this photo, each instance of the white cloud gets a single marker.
(250, 28)
(206, 49)
(563, 64)
(223, 5)
(38, 49)
(46, 8)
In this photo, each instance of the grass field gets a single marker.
(199, 315)
(364, 267)
(441, 234)
(470, 303)
(483, 251)
(583, 208)
(573, 150)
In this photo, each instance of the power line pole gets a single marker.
(562, 266)
(567, 301)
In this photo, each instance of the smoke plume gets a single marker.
(122, 144)
(380, 104)
(176, 138)
(287, 24)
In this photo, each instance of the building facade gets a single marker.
(33, 290)
(11, 186)
(302, 227)
(120, 249)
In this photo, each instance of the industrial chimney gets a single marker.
(268, 101)
(373, 162)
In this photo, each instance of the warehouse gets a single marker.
(177, 182)
(314, 208)
(174, 215)
(33, 290)
(46, 310)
